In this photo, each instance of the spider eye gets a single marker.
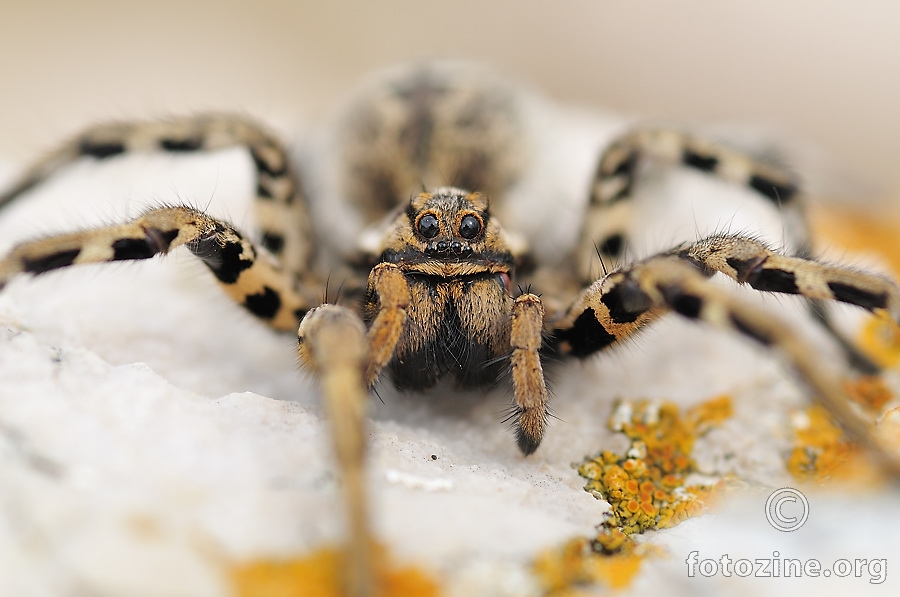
(428, 226)
(469, 227)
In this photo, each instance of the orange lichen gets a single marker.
(869, 391)
(859, 230)
(581, 563)
(822, 452)
(318, 575)
(880, 340)
(645, 487)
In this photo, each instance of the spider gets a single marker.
(428, 228)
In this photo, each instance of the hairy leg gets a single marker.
(617, 306)
(280, 207)
(253, 279)
(332, 343)
(529, 386)
(610, 212)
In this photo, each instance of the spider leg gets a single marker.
(529, 386)
(749, 261)
(254, 280)
(617, 306)
(281, 209)
(332, 343)
(387, 298)
(609, 210)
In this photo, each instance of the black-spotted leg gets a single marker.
(609, 213)
(332, 343)
(749, 261)
(253, 279)
(618, 305)
(281, 209)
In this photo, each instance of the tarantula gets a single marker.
(430, 274)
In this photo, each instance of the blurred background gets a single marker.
(824, 72)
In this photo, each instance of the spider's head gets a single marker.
(449, 223)
(448, 232)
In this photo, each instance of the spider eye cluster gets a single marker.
(470, 226)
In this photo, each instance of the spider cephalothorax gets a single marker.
(434, 273)
(457, 266)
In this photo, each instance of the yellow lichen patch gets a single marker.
(318, 575)
(860, 231)
(870, 391)
(645, 486)
(821, 451)
(880, 340)
(581, 563)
